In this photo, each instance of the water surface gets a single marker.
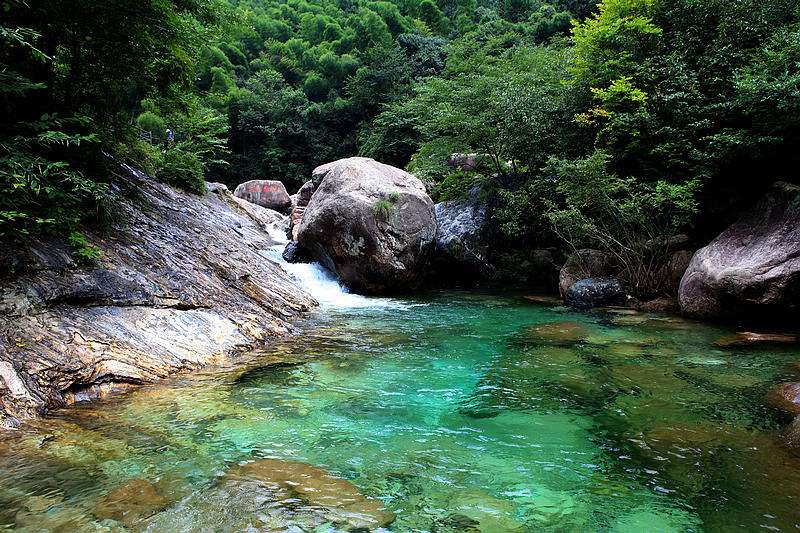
(458, 411)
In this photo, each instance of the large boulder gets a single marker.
(752, 269)
(373, 225)
(461, 245)
(266, 193)
(584, 264)
(595, 292)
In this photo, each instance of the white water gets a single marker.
(320, 283)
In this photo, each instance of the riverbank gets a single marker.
(182, 281)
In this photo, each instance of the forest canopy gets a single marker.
(624, 120)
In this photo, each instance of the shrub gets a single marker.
(183, 170)
(86, 254)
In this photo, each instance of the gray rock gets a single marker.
(266, 193)
(182, 282)
(465, 162)
(752, 269)
(293, 253)
(595, 292)
(461, 237)
(303, 197)
(372, 250)
(583, 264)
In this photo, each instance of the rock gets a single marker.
(663, 304)
(293, 253)
(131, 503)
(266, 193)
(371, 224)
(791, 436)
(675, 269)
(566, 332)
(752, 269)
(584, 264)
(318, 487)
(749, 338)
(465, 162)
(182, 282)
(543, 299)
(595, 292)
(303, 197)
(304, 193)
(785, 397)
(461, 246)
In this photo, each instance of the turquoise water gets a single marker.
(456, 412)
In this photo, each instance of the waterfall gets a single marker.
(320, 283)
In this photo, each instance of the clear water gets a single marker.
(458, 411)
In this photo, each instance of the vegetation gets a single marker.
(610, 125)
(382, 210)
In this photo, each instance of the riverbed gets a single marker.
(455, 411)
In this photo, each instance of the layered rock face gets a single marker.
(183, 281)
(371, 224)
(461, 246)
(752, 269)
(266, 193)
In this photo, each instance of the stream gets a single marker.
(456, 411)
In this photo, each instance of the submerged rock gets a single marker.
(584, 264)
(785, 397)
(566, 332)
(181, 282)
(595, 292)
(749, 338)
(266, 193)
(371, 224)
(317, 487)
(131, 503)
(752, 269)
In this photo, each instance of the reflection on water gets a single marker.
(471, 413)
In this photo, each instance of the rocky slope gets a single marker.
(183, 281)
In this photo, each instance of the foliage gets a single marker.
(86, 254)
(631, 220)
(382, 209)
(183, 170)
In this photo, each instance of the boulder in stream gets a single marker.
(266, 193)
(318, 488)
(595, 292)
(752, 269)
(371, 224)
(584, 264)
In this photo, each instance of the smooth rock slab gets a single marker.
(317, 487)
